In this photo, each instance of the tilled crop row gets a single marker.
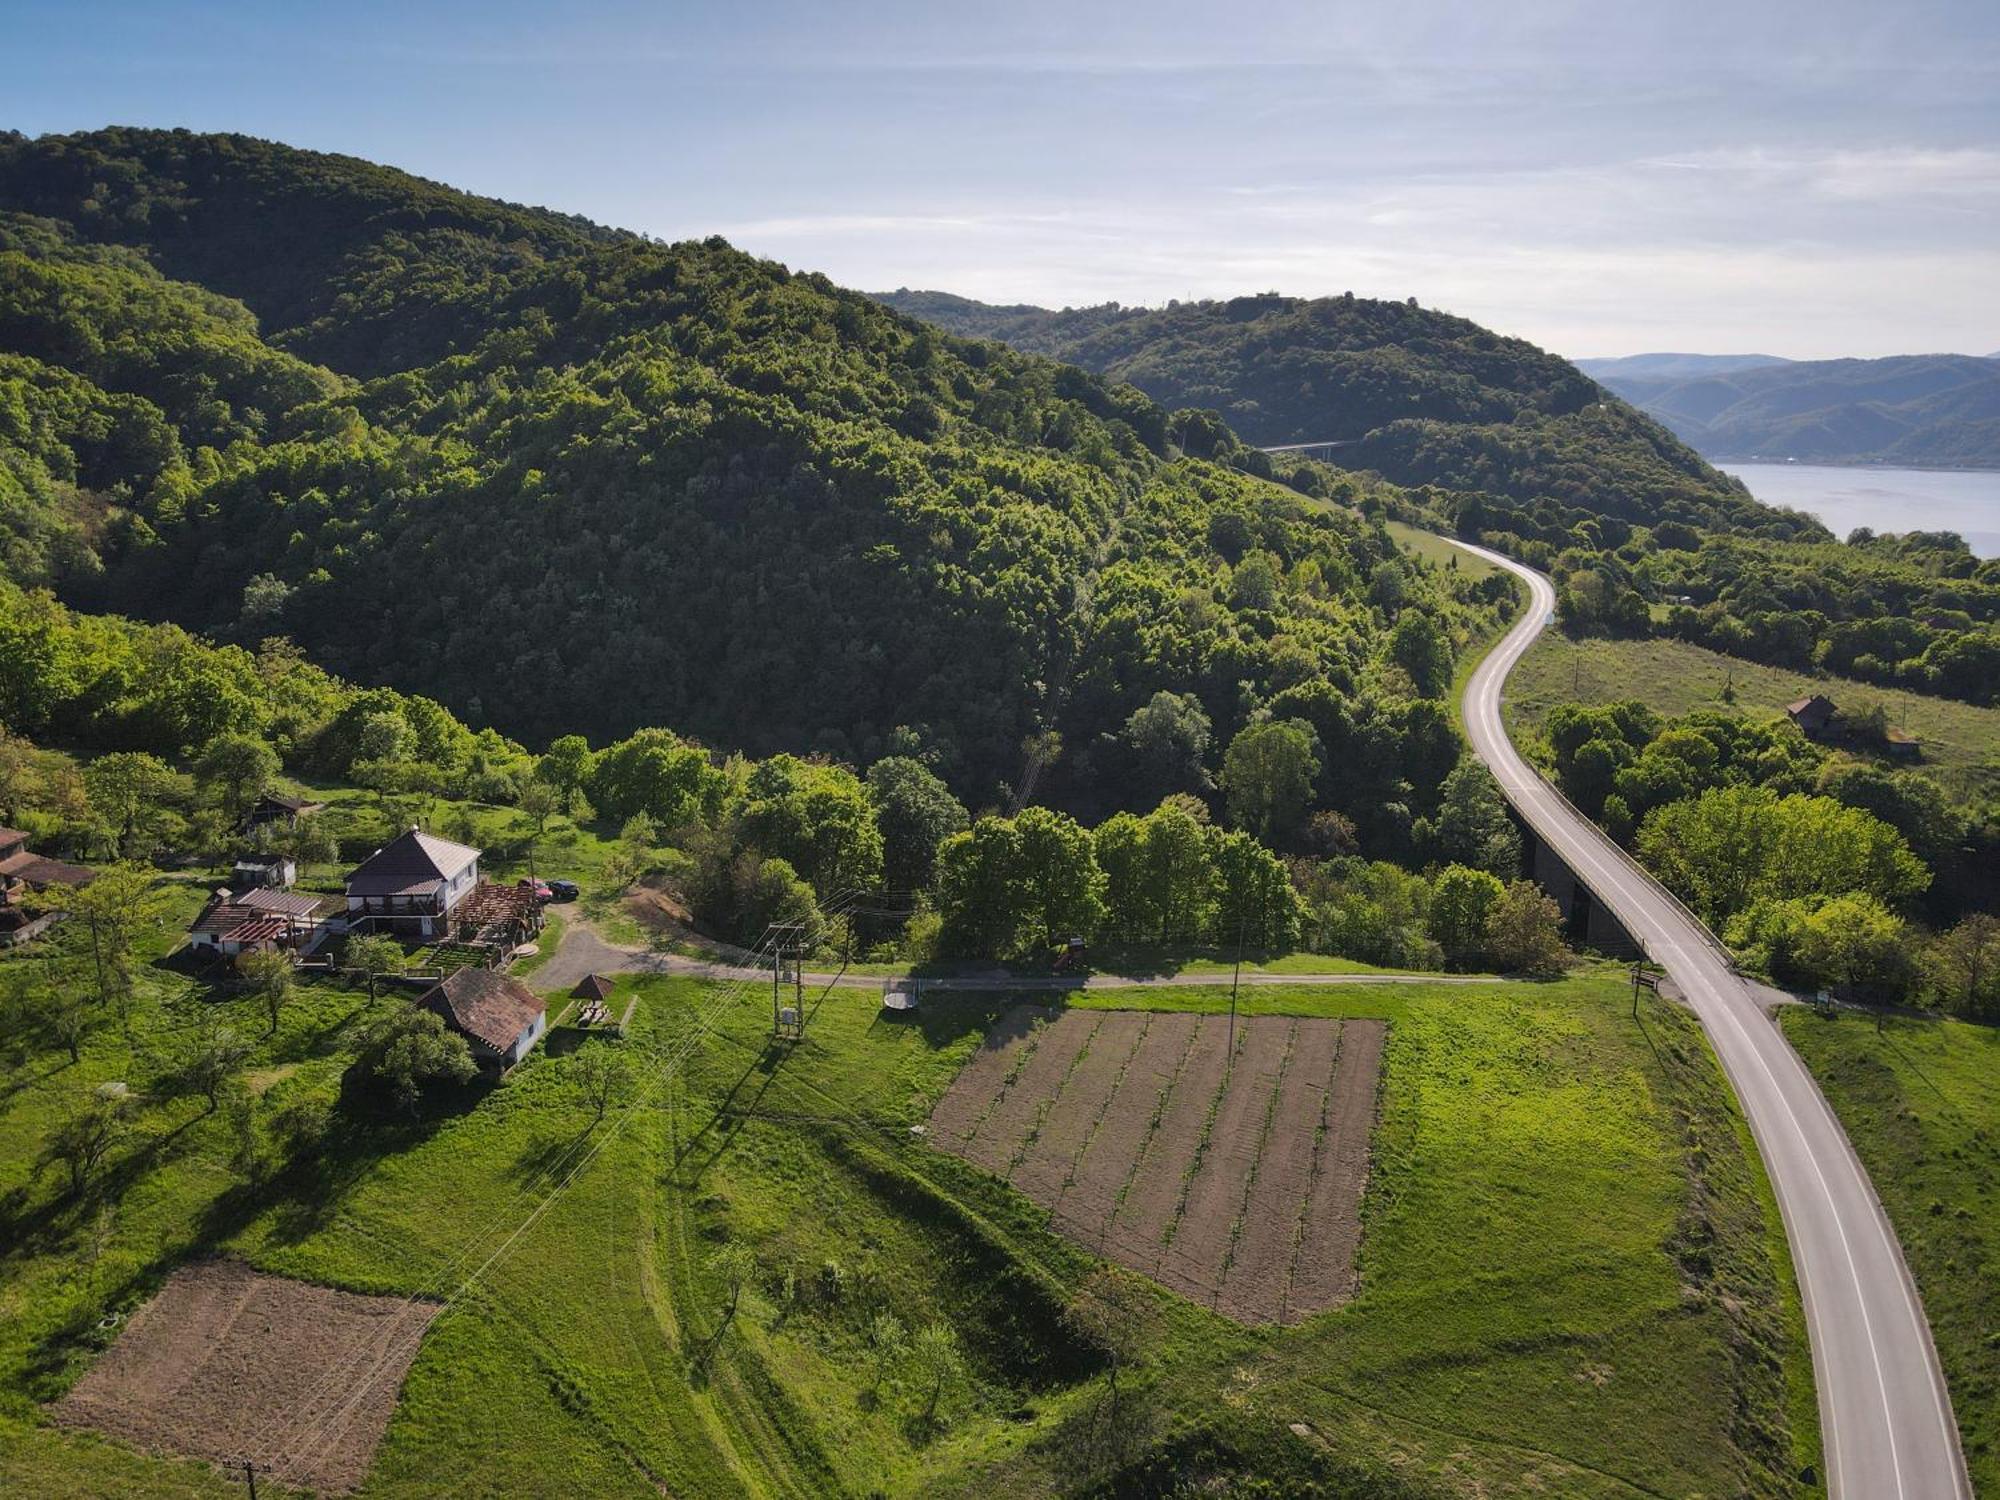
(1234, 1179)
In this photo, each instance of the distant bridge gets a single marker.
(1314, 450)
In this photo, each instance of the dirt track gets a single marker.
(1235, 1181)
(226, 1363)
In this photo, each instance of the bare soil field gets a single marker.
(1236, 1181)
(227, 1364)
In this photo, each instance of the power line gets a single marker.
(299, 1451)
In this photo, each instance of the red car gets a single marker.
(542, 892)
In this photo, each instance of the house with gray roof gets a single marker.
(410, 885)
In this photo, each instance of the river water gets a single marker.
(1966, 501)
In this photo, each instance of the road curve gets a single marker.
(1887, 1421)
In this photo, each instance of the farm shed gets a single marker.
(501, 1017)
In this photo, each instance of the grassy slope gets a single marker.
(1919, 1103)
(1558, 1292)
(1672, 676)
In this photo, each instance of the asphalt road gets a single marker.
(1887, 1421)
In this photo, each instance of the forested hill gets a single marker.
(336, 256)
(567, 481)
(1940, 409)
(1422, 397)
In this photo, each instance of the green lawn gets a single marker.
(1961, 742)
(1573, 1282)
(1921, 1102)
(1434, 548)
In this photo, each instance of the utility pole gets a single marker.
(1236, 981)
(1636, 965)
(250, 1477)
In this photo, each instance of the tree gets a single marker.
(939, 1364)
(1420, 647)
(915, 813)
(1473, 826)
(889, 1341)
(1855, 943)
(1963, 965)
(82, 1139)
(370, 954)
(539, 802)
(1733, 846)
(239, 767)
(131, 789)
(1255, 901)
(979, 897)
(1061, 888)
(1461, 901)
(112, 908)
(1168, 739)
(603, 1077)
(566, 767)
(1112, 1312)
(819, 820)
(1524, 930)
(1268, 775)
(733, 1265)
(212, 1059)
(268, 972)
(409, 1048)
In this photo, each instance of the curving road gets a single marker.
(1887, 1421)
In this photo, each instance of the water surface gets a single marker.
(1966, 501)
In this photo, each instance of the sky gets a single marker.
(1801, 179)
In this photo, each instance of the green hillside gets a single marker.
(1418, 395)
(565, 480)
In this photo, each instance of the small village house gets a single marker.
(281, 809)
(23, 874)
(411, 885)
(1814, 715)
(502, 1018)
(255, 919)
(277, 871)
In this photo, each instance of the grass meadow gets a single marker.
(1961, 742)
(1919, 1101)
(1572, 1278)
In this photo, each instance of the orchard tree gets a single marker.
(370, 954)
(409, 1048)
(131, 789)
(940, 1366)
(603, 1078)
(268, 973)
(82, 1139)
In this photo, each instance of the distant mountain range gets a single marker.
(1921, 409)
(1673, 366)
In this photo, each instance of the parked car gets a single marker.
(564, 890)
(542, 892)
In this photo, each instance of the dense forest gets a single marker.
(1416, 395)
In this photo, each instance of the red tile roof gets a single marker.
(490, 1008)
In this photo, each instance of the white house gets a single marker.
(233, 923)
(411, 884)
(502, 1018)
